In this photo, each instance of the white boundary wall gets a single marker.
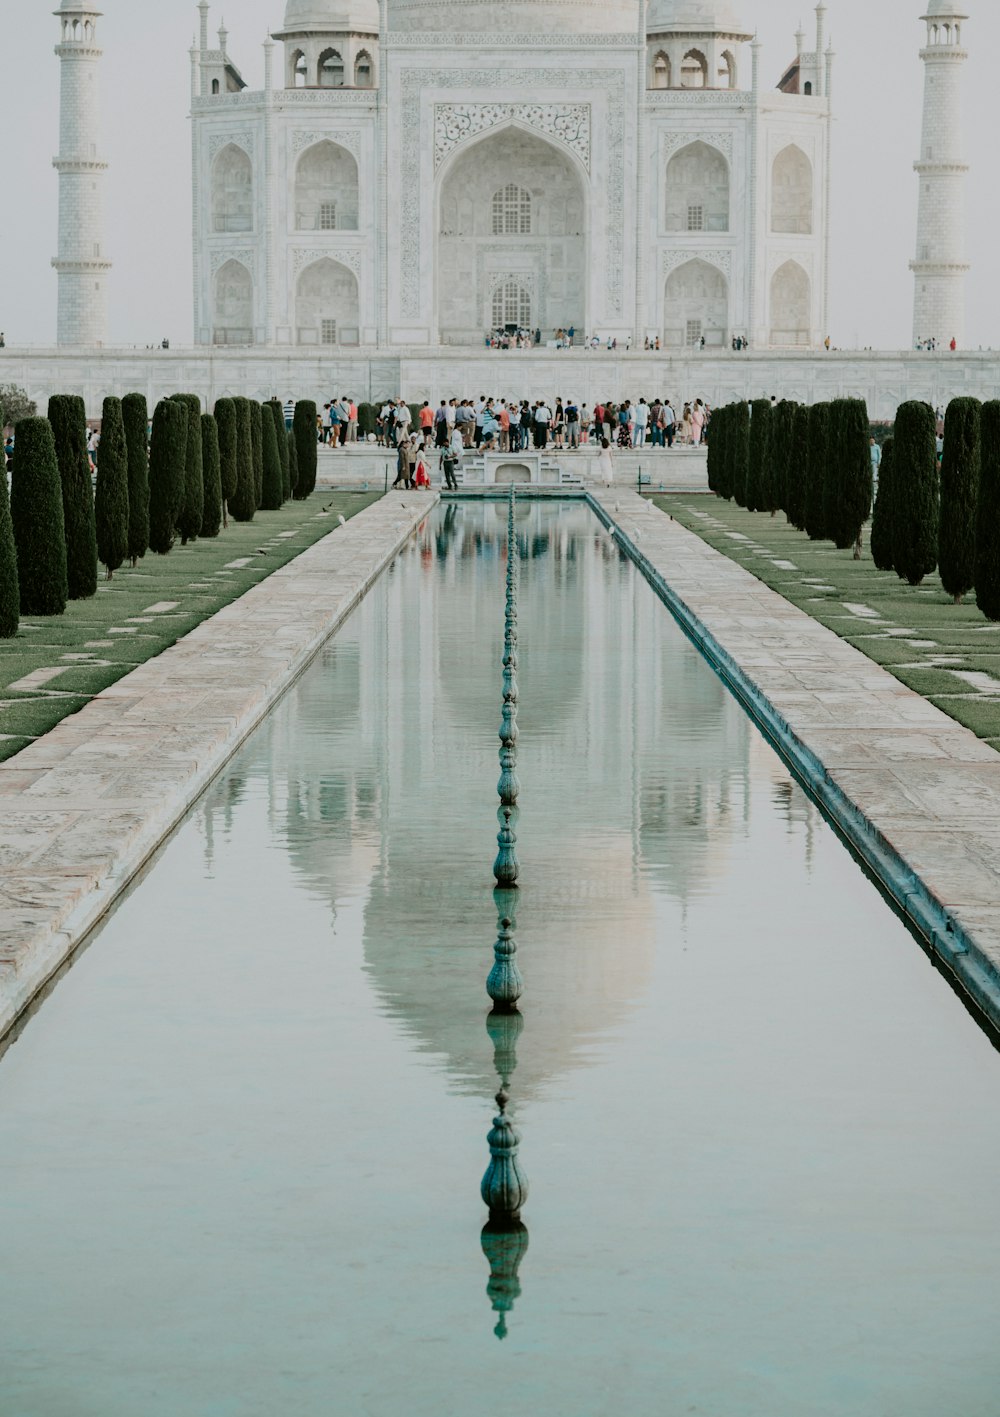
(884, 380)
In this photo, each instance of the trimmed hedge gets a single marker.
(367, 418)
(243, 503)
(716, 450)
(739, 453)
(915, 501)
(68, 419)
(36, 509)
(988, 513)
(192, 508)
(281, 443)
(10, 595)
(848, 491)
(760, 451)
(797, 473)
(225, 419)
(881, 533)
(304, 428)
(257, 443)
(135, 416)
(782, 430)
(167, 472)
(815, 500)
(293, 459)
(271, 493)
(959, 497)
(211, 517)
(111, 502)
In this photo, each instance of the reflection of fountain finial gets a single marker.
(506, 867)
(505, 1186)
(505, 1027)
(505, 1244)
(505, 985)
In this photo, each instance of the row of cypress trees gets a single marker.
(151, 488)
(811, 463)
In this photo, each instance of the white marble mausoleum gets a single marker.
(421, 172)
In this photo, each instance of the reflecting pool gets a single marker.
(243, 1138)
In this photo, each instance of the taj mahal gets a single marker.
(415, 175)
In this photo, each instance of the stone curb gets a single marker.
(84, 808)
(948, 941)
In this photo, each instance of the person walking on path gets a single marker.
(449, 465)
(697, 422)
(404, 464)
(606, 463)
(875, 453)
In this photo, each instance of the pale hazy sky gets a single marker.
(146, 86)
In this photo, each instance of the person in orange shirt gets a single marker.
(352, 421)
(426, 423)
(503, 418)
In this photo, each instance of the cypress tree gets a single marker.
(243, 503)
(819, 417)
(36, 509)
(225, 420)
(797, 474)
(915, 499)
(135, 416)
(782, 419)
(192, 508)
(849, 474)
(111, 506)
(304, 428)
(167, 472)
(881, 534)
(281, 443)
(760, 451)
(211, 520)
(988, 513)
(722, 434)
(68, 418)
(271, 496)
(367, 415)
(740, 460)
(959, 497)
(715, 448)
(293, 459)
(257, 441)
(10, 595)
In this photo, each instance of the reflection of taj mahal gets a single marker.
(430, 170)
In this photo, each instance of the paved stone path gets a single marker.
(83, 808)
(917, 794)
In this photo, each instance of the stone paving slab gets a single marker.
(916, 793)
(84, 808)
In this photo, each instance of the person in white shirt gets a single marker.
(543, 417)
(640, 418)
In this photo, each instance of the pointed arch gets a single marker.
(697, 190)
(232, 305)
(326, 189)
(792, 192)
(232, 190)
(727, 70)
(660, 76)
(330, 69)
(535, 234)
(511, 305)
(695, 306)
(364, 70)
(327, 305)
(694, 70)
(298, 70)
(791, 305)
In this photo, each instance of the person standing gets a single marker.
(669, 423)
(441, 426)
(449, 465)
(404, 453)
(352, 421)
(289, 411)
(401, 421)
(697, 422)
(641, 422)
(606, 463)
(585, 421)
(875, 452)
(426, 422)
(543, 417)
(572, 416)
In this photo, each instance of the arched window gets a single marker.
(696, 307)
(808, 89)
(792, 192)
(232, 316)
(215, 86)
(331, 70)
(694, 70)
(232, 190)
(727, 70)
(791, 298)
(363, 70)
(326, 189)
(697, 190)
(326, 305)
(512, 211)
(511, 305)
(300, 73)
(661, 71)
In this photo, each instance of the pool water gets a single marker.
(242, 1140)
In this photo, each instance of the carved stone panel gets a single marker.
(568, 123)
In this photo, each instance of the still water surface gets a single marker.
(242, 1141)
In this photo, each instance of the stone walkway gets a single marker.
(915, 793)
(84, 807)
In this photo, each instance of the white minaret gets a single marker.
(940, 266)
(81, 263)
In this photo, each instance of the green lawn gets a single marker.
(140, 613)
(915, 632)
